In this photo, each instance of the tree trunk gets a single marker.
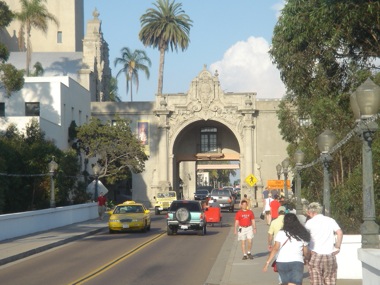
(28, 50)
(161, 71)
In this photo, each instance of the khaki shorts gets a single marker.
(245, 233)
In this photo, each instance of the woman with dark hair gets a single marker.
(291, 245)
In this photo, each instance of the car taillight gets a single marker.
(167, 215)
(202, 216)
(229, 200)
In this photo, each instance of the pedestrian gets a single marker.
(248, 202)
(324, 246)
(290, 247)
(245, 228)
(267, 202)
(101, 205)
(274, 228)
(274, 205)
(265, 193)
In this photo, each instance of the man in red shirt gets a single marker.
(101, 205)
(274, 205)
(245, 228)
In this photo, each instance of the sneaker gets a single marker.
(245, 257)
(250, 256)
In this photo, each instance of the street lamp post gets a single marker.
(53, 166)
(96, 169)
(365, 103)
(285, 164)
(298, 157)
(326, 141)
(279, 169)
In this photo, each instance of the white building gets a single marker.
(53, 101)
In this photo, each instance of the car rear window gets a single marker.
(220, 193)
(201, 192)
(192, 207)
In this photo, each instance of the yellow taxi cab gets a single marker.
(129, 216)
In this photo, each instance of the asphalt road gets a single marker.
(126, 258)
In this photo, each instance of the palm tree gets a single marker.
(132, 63)
(34, 14)
(164, 27)
(114, 97)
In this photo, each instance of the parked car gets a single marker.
(129, 216)
(186, 215)
(224, 198)
(202, 195)
(163, 201)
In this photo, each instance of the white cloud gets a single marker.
(278, 7)
(247, 67)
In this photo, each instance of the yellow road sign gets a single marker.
(251, 180)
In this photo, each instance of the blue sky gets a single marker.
(232, 37)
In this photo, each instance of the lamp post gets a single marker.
(298, 157)
(326, 141)
(96, 169)
(53, 166)
(278, 168)
(365, 103)
(285, 164)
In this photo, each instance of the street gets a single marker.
(125, 258)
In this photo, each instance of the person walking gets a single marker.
(245, 198)
(324, 246)
(101, 205)
(290, 247)
(245, 228)
(274, 205)
(267, 202)
(274, 228)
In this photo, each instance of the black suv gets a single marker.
(201, 194)
(186, 215)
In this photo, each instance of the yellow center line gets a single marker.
(116, 261)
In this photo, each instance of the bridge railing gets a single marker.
(24, 223)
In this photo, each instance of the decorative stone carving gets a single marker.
(206, 101)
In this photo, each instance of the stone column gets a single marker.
(163, 149)
(247, 153)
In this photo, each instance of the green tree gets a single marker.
(11, 79)
(324, 50)
(132, 63)
(33, 14)
(116, 148)
(165, 27)
(26, 157)
(114, 96)
(38, 70)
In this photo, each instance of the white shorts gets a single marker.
(245, 233)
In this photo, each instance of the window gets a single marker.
(59, 37)
(2, 109)
(209, 140)
(32, 109)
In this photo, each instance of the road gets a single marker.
(126, 258)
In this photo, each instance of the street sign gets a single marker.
(251, 180)
(277, 184)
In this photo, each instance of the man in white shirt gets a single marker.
(324, 246)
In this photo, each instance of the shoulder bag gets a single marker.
(274, 263)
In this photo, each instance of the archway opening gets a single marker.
(206, 153)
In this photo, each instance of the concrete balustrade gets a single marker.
(20, 224)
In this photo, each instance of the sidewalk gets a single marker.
(228, 269)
